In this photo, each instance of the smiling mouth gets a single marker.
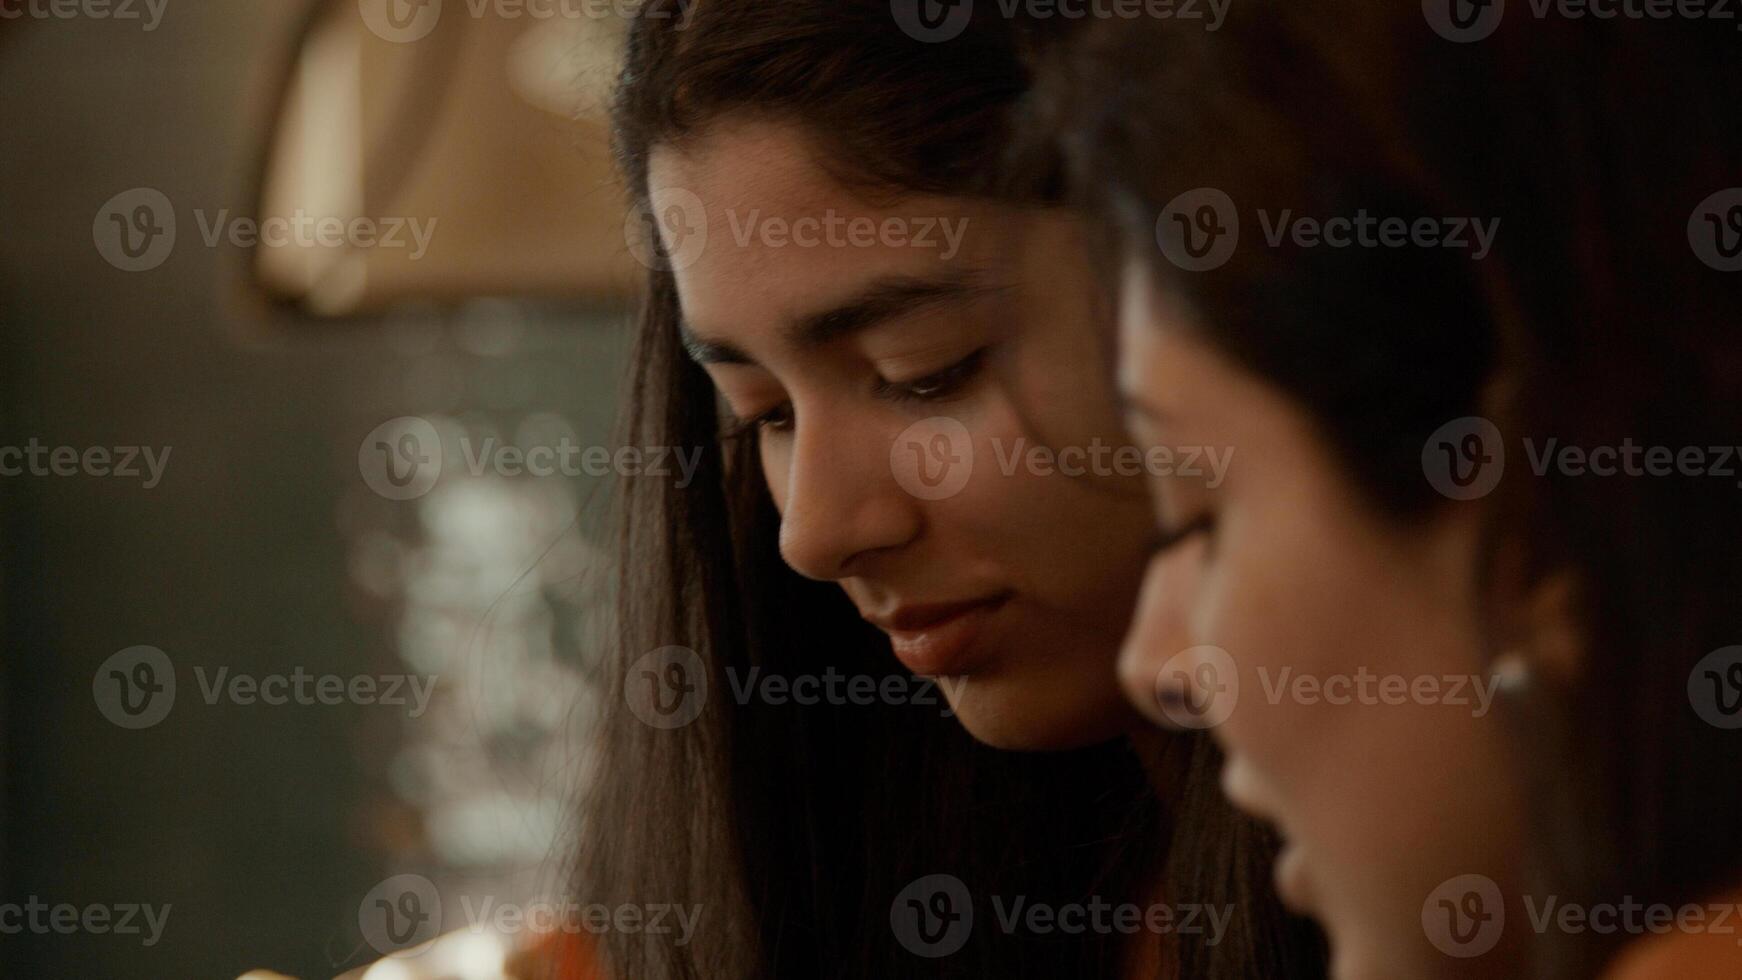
(936, 639)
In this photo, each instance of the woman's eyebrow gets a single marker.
(880, 301)
(885, 299)
(704, 351)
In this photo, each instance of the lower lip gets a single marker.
(1291, 883)
(942, 648)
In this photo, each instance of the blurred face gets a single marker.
(1334, 654)
(924, 385)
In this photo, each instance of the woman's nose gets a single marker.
(839, 498)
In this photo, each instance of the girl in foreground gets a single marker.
(1403, 505)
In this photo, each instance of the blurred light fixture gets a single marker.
(418, 151)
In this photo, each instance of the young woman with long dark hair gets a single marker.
(831, 366)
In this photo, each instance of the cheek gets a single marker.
(996, 498)
(1281, 600)
(1045, 481)
(1317, 608)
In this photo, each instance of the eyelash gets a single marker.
(943, 383)
(933, 387)
(1168, 540)
(771, 419)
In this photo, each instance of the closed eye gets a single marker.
(777, 419)
(1167, 540)
(935, 386)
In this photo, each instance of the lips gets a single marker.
(1290, 874)
(1290, 879)
(933, 639)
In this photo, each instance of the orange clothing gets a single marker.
(572, 956)
(1683, 955)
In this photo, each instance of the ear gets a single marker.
(1540, 619)
(1557, 634)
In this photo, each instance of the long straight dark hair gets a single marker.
(1596, 319)
(795, 827)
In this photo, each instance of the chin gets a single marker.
(1354, 956)
(1355, 966)
(1035, 716)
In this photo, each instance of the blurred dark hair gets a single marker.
(1593, 321)
(795, 827)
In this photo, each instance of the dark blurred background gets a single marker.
(265, 371)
